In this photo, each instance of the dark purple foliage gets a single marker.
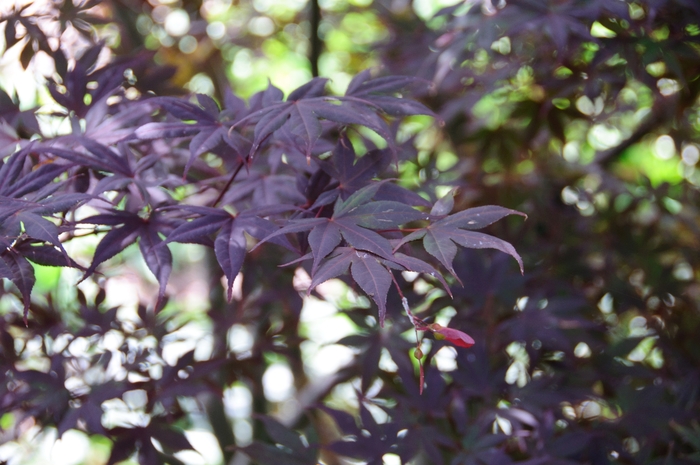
(585, 353)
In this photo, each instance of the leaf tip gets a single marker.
(520, 264)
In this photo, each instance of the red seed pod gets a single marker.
(418, 354)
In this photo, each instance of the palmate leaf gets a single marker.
(323, 239)
(106, 128)
(230, 245)
(353, 220)
(89, 410)
(207, 131)
(5, 270)
(332, 267)
(156, 130)
(358, 198)
(300, 114)
(365, 90)
(129, 228)
(364, 84)
(364, 239)
(22, 275)
(230, 250)
(32, 192)
(374, 279)
(419, 266)
(11, 169)
(280, 434)
(261, 190)
(199, 230)
(33, 182)
(14, 212)
(26, 198)
(370, 272)
(444, 205)
(40, 228)
(303, 118)
(366, 269)
(306, 106)
(45, 255)
(158, 259)
(374, 441)
(105, 157)
(111, 244)
(293, 115)
(353, 173)
(440, 237)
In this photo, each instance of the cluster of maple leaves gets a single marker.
(281, 170)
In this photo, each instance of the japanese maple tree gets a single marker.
(165, 250)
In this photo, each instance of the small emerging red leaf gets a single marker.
(454, 336)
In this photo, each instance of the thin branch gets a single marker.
(316, 42)
(228, 184)
(416, 322)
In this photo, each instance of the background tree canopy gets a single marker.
(211, 254)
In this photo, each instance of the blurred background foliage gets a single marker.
(582, 114)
